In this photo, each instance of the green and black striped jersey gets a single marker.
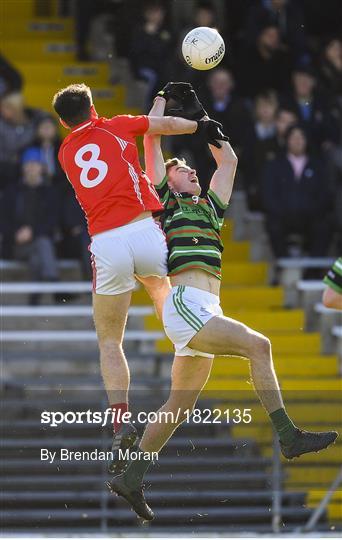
(192, 227)
(334, 277)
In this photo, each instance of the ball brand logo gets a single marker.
(216, 56)
(188, 59)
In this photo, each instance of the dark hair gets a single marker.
(206, 4)
(287, 109)
(304, 70)
(292, 128)
(73, 104)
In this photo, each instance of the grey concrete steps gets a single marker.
(191, 516)
(165, 464)
(221, 480)
(36, 318)
(156, 498)
(69, 269)
(72, 340)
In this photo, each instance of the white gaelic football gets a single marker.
(203, 48)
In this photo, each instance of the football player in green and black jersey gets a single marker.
(332, 296)
(192, 316)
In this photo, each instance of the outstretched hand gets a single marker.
(182, 101)
(175, 90)
(212, 131)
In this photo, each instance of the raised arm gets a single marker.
(223, 178)
(154, 159)
(170, 125)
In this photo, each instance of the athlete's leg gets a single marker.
(189, 375)
(110, 315)
(225, 336)
(158, 289)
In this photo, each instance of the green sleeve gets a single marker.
(334, 277)
(218, 205)
(163, 190)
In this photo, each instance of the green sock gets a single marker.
(284, 426)
(136, 471)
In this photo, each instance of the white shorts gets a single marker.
(185, 312)
(117, 255)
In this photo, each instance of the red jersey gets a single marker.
(100, 159)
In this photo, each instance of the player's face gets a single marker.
(183, 179)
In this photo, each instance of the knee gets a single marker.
(261, 347)
(110, 346)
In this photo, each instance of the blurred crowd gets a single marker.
(278, 94)
(40, 219)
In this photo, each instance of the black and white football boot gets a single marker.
(125, 440)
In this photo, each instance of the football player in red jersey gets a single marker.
(100, 159)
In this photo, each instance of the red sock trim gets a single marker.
(118, 409)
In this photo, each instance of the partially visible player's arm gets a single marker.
(170, 125)
(332, 299)
(154, 159)
(223, 178)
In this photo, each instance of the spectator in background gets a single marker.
(74, 236)
(330, 69)
(18, 126)
(311, 108)
(265, 65)
(260, 146)
(287, 15)
(10, 78)
(35, 219)
(222, 103)
(205, 15)
(49, 141)
(151, 48)
(297, 198)
(285, 118)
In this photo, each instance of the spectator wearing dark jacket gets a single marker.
(150, 49)
(74, 237)
(330, 69)
(311, 108)
(287, 15)
(35, 218)
(18, 126)
(265, 65)
(297, 198)
(10, 78)
(285, 118)
(260, 146)
(49, 141)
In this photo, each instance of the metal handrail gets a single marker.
(276, 486)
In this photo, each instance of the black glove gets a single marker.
(181, 100)
(176, 90)
(189, 107)
(212, 131)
